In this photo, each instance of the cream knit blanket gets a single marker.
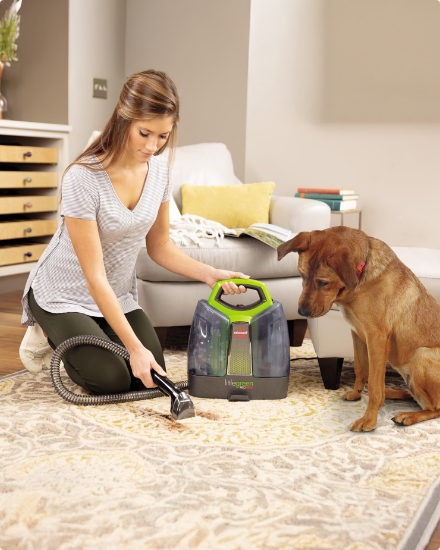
(190, 227)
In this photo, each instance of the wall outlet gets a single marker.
(100, 88)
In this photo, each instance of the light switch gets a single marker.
(100, 88)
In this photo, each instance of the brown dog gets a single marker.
(391, 314)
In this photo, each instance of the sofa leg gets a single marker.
(331, 371)
(162, 335)
(297, 330)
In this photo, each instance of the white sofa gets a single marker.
(170, 299)
(331, 335)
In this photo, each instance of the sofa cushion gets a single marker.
(231, 205)
(173, 304)
(201, 164)
(243, 254)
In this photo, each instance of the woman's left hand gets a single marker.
(228, 288)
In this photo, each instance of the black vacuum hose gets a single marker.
(181, 404)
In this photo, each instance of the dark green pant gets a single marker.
(96, 369)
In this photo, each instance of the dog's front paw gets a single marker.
(352, 395)
(364, 424)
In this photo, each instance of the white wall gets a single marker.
(96, 50)
(342, 93)
(203, 47)
(346, 93)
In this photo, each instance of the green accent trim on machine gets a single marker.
(235, 313)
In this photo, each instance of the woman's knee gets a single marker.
(101, 370)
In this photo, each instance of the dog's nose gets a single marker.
(304, 312)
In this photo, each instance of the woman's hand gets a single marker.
(228, 288)
(142, 361)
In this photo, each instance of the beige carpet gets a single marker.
(239, 476)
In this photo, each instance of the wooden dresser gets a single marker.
(33, 157)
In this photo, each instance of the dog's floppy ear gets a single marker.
(299, 243)
(344, 265)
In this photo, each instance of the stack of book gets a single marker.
(339, 200)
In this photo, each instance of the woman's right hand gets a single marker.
(142, 361)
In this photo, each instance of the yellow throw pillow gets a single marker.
(231, 205)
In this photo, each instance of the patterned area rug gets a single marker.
(238, 476)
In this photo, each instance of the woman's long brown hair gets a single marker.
(148, 94)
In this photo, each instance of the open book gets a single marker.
(270, 234)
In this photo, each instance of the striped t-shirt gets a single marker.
(57, 280)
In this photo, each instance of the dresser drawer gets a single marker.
(25, 180)
(23, 229)
(16, 153)
(19, 254)
(28, 203)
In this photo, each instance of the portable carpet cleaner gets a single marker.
(235, 352)
(239, 352)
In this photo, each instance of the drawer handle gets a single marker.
(28, 154)
(28, 204)
(28, 230)
(28, 254)
(27, 180)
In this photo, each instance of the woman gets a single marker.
(114, 195)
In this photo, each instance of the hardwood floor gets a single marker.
(11, 332)
(11, 335)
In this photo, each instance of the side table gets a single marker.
(343, 214)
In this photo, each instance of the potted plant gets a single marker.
(9, 32)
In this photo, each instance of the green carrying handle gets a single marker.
(264, 296)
